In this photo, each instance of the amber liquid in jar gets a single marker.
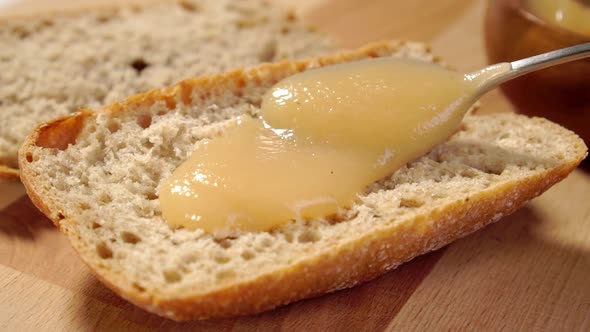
(516, 29)
(573, 15)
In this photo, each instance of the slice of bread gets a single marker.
(57, 63)
(96, 175)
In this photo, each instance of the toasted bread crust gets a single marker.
(364, 259)
(344, 266)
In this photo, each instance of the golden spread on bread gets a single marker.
(323, 136)
(570, 14)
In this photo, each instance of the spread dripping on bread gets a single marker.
(324, 135)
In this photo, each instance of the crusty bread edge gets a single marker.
(364, 258)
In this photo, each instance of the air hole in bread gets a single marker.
(130, 237)
(46, 23)
(113, 126)
(144, 120)
(285, 30)
(411, 202)
(242, 24)
(290, 16)
(60, 216)
(189, 6)
(103, 18)
(103, 251)
(469, 173)
(266, 242)
(348, 215)
(190, 258)
(534, 140)
(183, 268)
(147, 144)
(495, 169)
(29, 157)
(339, 217)
(288, 237)
(309, 236)
(376, 216)
(139, 65)
(436, 155)
(151, 196)
(172, 276)
(221, 259)
(225, 274)
(224, 243)
(248, 254)
(21, 32)
(84, 183)
(255, 101)
(250, 22)
(96, 225)
(244, 9)
(268, 51)
(105, 198)
(438, 195)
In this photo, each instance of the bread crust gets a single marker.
(345, 266)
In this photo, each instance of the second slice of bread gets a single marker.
(52, 64)
(96, 175)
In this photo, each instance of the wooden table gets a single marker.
(531, 271)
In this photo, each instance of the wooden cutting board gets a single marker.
(530, 271)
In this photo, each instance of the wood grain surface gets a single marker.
(528, 272)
